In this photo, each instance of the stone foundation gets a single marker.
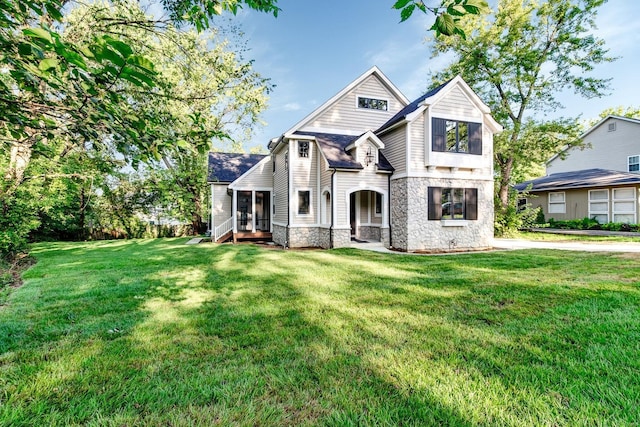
(341, 237)
(369, 233)
(279, 235)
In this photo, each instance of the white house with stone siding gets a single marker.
(367, 165)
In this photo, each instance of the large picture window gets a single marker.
(557, 203)
(453, 203)
(624, 205)
(456, 136)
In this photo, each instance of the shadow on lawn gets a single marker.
(242, 335)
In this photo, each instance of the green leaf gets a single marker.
(401, 4)
(445, 24)
(47, 64)
(39, 33)
(407, 12)
(122, 48)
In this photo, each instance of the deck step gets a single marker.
(225, 237)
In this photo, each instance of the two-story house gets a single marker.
(368, 164)
(600, 180)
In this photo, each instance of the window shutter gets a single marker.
(435, 203)
(471, 203)
(439, 134)
(475, 138)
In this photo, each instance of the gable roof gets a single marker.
(334, 146)
(593, 128)
(587, 178)
(227, 167)
(373, 71)
(433, 96)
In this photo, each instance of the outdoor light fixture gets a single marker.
(369, 158)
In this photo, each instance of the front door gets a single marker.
(263, 211)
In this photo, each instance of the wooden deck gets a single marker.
(251, 236)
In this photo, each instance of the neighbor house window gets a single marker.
(634, 163)
(624, 205)
(378, 210)
(452, 203)
(304, 202)
(599, 205)
(557, 203)
(303, 148)
(456, 136)
(612, 127)
(373, 104)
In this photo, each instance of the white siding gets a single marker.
(281, 188)
(260, 177)
(304, 177)
(221, 204)
(608, 149)
(395, 143)
(456, 104)
(345, 114)
(348, 182)
(417, 144)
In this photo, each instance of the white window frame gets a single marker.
(607, 200)
(563, 203)
(299, 144)
(633, 200)
(377, 98)
(375, 203)
(298, 202)
(635, 163)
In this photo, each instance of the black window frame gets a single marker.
(439, 137)
(303, 149)
(469, 204)
(304, 204)
(367, 103)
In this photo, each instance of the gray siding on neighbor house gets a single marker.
(304, 177)
(345, 114)
(395, 148)
(221, 204)
(605, 149)
(456, 104)
(281, 188)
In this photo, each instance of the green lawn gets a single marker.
(154, 332)
(552, 237)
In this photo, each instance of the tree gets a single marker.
(517, 59)
(631, 112)
(448, 14)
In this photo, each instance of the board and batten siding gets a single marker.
(605, 149)
(281, 188)
(304, 176)
(260, 177)
(395, 146)
(456, 105)
(345, 114)
(221, 204)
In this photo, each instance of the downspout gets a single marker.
(288, 163)
(389, 206)
(332, 216)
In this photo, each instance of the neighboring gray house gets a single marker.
(368, 164)
(600, 181)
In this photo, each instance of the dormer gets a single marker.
(366, 149)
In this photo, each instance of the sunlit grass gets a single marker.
(559, 237)
(155, 332)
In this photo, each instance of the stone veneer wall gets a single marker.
(412, 231)
(304, 237)
(384, 237)
(324, 237)
(369, 233)
(341, 237)
(279, 235)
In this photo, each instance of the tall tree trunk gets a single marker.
(505, 177)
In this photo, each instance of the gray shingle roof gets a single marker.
(227, 167)
(400, 115)
(587, 178)
(333, 147)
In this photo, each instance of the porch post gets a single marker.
(234, 211)
(253, 211)
(213, 224)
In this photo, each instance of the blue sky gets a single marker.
(315, 48)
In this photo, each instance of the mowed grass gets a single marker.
(154, 332)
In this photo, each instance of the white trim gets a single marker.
(629, 164)
(279, 224)
(297, 200)
(564, 202)
(367, 136)
(443, 175)
(212, 213)
(627, 200)
(372, 71)
(234, 211)
(234, 184)
(324, 218)
(454, 222)
(375, 214)
(366, 187)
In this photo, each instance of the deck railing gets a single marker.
(223, 229)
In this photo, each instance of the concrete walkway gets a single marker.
(513, 244)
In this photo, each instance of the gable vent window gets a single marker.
(373, 104)
(612, 127)
(456, 137)
(303, 148)
(634, 163)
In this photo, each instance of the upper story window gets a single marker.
(612, 127)
(634, 163)
(452, 203)
(456, 136)
(373, 103)
(303, 148)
